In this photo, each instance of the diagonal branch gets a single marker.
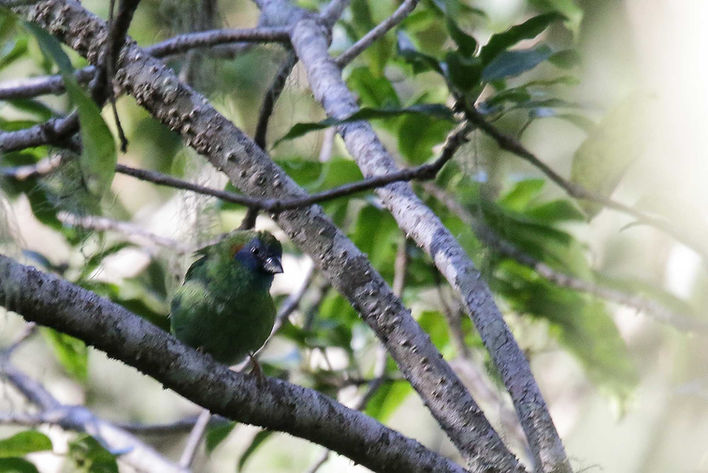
(511, 144)
(272, 403)
(487, 235)
(79, 419)
(422, 172)
(403, 10)
(203, 39)
(309, 40)
(250, 169)
(271, 96)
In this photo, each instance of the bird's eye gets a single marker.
(255, 250)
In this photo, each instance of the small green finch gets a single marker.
(224, 306)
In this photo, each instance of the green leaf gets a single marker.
(98, 155)
(463, 73)
(373, 91)
(17, 465)
(513, 63)
(89, 456)
(464, 41)
(610, 148)
(257, 441)
(12, 51)
(566, 59)
(529, 29)
(71, 352)
(581, 324)
(418, 134)
(34, 107)
(217, 434)
(568, 8)
(556, 211)
(421, 62)
(23, 443)
(434, 324)
(522, 194)
(376, 234)
(388, 399)
(434, 110)
(51, 48)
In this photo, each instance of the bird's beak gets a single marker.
(272, 265)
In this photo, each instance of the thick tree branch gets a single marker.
(310, 42)
(250, 169)
(274, 404)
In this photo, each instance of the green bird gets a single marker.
(224, 306)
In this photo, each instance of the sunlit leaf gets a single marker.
(388, 399)
(71, 352)
(17, 465)
(23, 443)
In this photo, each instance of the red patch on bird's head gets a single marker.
(235, 249)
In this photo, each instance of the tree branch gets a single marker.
(494, 241)
(79, 419)
(310, 42)
(422, 172)
(204, 39)
(53, 131)
(274, 404)
(403, 10)
(511, 144)
(271, 96)
(251, 170)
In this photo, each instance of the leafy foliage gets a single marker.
(414, 85)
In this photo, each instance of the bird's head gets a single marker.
(258, 251)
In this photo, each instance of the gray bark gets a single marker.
(156, 88)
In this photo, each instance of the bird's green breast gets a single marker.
(223, 310)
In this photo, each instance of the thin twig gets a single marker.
(202, 39)
(78, 418)
(292, 302)
(194, 439)
(378, 31)
(134, 233)
(333, 11)
(102, 84)
(34, 86)
(178, 427)
(40, 168)
(29, 330)
(489, 237)
(422, 172)
(511, 144)
(53, 131)
(271, 96)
